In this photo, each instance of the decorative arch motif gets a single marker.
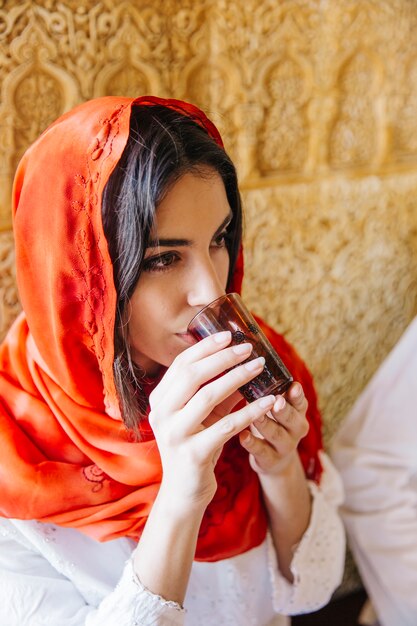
(354, 136)
(404, 131)
(284, 134)
(129, 71)
(9, 300)
(207, 85)
(34, 93)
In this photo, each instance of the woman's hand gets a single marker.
(273, 454)
(280, 433)
(192, 418)
(191, 415)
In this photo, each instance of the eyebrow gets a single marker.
(167, 243)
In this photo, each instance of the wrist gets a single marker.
(178, 506)
(286, 490)
(165, 552)
(284, 470)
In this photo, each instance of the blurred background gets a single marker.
(317, 103)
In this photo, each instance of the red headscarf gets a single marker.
(66, 457)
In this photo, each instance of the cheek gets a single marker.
(222, 267)
(152, 305)
(140, 311)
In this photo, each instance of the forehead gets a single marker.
(196, 199)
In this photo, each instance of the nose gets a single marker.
(206, 284)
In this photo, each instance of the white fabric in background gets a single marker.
(376, 453)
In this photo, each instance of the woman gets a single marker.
(117, 426)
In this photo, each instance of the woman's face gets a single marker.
(185, 267)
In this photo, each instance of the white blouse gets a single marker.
(54, 576)
(376, 453)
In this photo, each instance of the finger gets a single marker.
(224, 408)
(205, 347)
(270, 456)
(290, 418)
(189, 358)
(211, 395)
(223, 430)
(295, 396)
(192, 376)
(289, 411)
(275, 435)
(265, 456)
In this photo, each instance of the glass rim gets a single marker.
(210, 304)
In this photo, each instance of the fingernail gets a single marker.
(242, 348)
(222, 337)
(246, 438)
(297, 391)
(266, 402)
(279, 404)
(255, 364)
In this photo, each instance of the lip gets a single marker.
(187, 337)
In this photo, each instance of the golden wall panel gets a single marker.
(333, 265)
(9, 302)
(317, 102)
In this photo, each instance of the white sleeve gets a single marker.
(318, 561)
(33, 593)
(132, 603)
(376, 453)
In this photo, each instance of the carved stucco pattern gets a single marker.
(353, 139)
(342, 296)
(285, 119)
(317, 103)
(9, 301)
(262, 40)
(36, 86)
(404, 132)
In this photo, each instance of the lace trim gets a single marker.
(157, 598)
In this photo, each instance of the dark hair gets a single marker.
(163, 145)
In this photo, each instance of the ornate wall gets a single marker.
(317, 101)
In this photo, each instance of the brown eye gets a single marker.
(161, 262)
(221, 240)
